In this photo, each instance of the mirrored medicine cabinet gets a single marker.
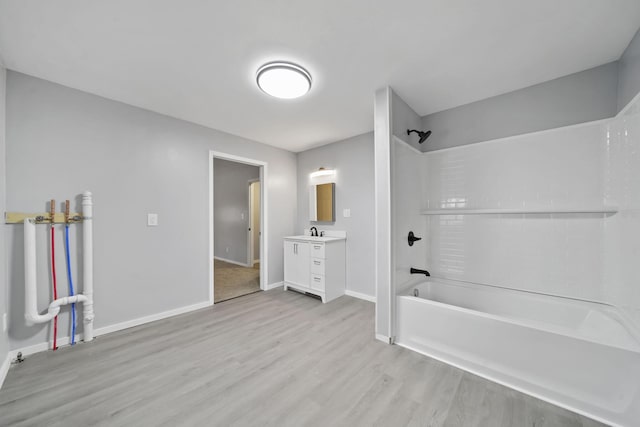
(322, 202)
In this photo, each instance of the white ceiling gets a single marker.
(196, 59)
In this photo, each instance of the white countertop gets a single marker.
(315, 239)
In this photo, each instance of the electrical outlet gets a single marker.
(5, 322)
(346, 213)
(152, 220)
(227, 249)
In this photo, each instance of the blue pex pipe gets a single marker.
(71, 292)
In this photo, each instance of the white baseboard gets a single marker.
(383, 338)
(150, 318)
(230, 261)
(44, 346)
(274, 285)
(360, 296)
(4, 368)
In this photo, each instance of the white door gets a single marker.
(254, 222)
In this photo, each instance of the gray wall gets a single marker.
(629, 76)
(577, 98)
(403, 118)
(353, 161)
(62, 141)
(4, 291)
(231, 208)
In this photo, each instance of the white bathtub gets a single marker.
(575, 354)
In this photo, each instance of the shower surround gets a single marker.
(550, 218)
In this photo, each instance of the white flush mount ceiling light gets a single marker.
(283, 80)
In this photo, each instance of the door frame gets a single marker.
(250, 234)
(264, 194)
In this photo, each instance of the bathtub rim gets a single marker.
(620, 315)
(528, 324)
(404, 287)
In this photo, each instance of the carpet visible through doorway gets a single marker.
(231, 280)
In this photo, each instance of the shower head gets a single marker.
(423, 135)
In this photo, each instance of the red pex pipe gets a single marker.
(55, 285)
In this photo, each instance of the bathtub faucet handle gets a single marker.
(417, 271)
(412, 238)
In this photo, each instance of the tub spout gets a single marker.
(417, 271)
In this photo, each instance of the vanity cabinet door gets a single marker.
(296, 262)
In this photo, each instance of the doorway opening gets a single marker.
(237, 224)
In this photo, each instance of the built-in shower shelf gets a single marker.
(460, 211)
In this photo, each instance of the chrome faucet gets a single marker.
(314, 232)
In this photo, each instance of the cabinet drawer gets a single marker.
(317, 250)
(317, 266)
(317, 282)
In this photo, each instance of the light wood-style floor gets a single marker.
(270, 358)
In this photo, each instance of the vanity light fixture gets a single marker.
(322, 172)
(283, 80)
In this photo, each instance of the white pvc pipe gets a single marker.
(30, 296)
(31, 313)
(87, 259)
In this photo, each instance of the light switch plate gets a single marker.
(152, 220)
(346, 213)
